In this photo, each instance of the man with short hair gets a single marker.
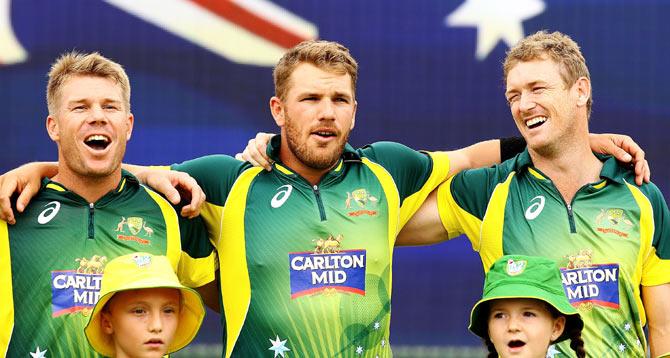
(51, 260)
(559, 200)
(305, 250)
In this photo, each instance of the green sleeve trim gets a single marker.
(410, 169)
(216, 174)
(472, 189)
(194, 238)
(661, 240)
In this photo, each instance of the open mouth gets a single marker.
(97, 141)
(535, 122)
(516, 344)
(325, 133)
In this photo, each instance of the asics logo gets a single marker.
(283, 192)
(535, 208)
(49, 213)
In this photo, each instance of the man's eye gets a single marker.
(79, 108)
(111, 107)
(498, 315)
(529, 314)
(138, 311)
(538, 89)
(512, 99)
(341, 100)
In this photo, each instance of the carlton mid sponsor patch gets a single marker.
(597, 284)
(341, 271)
(327, 268)
(77, 290)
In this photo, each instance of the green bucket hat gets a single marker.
(519, 276)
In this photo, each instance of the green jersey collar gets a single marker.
(611, 169)
(127, 181)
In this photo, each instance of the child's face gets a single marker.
(142, 322)
(523, 327)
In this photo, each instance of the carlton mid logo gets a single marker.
(586, 283)
(77, 290)
(327, 268)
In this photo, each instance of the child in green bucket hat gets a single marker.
(143, 310)
(524, 309)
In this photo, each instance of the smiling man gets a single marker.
(52, 259)
(559, 200)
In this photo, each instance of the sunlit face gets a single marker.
(143, 322)
(543, 108)
(523, 327)
(91, 126)
(315, 117)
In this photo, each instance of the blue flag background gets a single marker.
(421, 83)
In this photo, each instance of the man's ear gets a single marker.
(130, 121)
(583, 87)
(52, 128)
(106, 323)
(353, 117)
(277, 109)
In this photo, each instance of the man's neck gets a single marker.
(569, 168)
(89, 188)
(312, 175)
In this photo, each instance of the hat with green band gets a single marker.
(518, 276)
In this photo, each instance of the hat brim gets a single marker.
(479, 314)
(191, 316)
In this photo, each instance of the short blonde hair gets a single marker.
(554, 46)
(326, 55)
(73, 64)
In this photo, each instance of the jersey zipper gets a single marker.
(319, 202)
(571, 220)
(91, 223)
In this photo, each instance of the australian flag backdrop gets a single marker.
(430, 77)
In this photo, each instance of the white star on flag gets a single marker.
(626, 326)
(377, 325)
(278, 346)
(38, 353)
(359, 350)
(11, 50)
(495, 20)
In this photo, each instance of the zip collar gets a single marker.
(611, 169)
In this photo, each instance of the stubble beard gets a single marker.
(308, 157)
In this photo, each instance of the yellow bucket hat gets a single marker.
(137, 271)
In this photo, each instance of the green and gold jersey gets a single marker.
(52, 259)
(306, 270)
(612, 238)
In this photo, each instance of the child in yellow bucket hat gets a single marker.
(143, 310)
(524, 309)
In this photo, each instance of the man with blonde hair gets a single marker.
(51, 260)
(305, 250)
(559, 200)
